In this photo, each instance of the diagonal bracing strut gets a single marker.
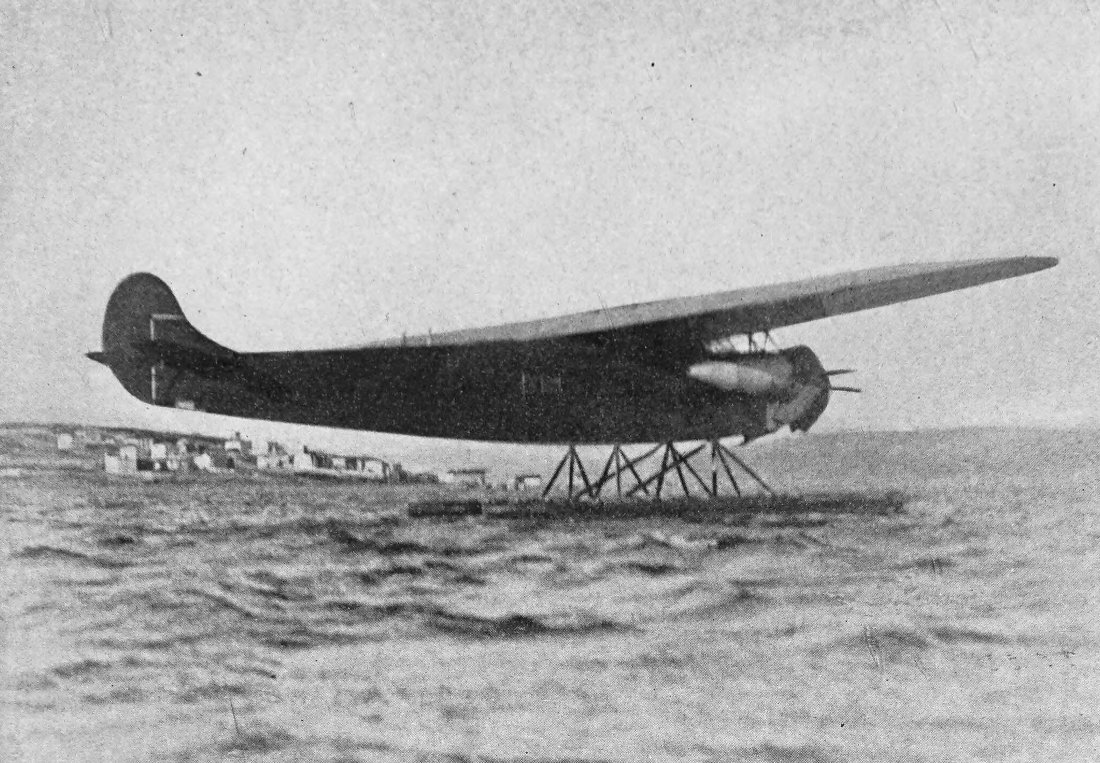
(618, 465)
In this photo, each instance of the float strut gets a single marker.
(671, 460)
(621, 463)
(748, 470)
(584, 476)
(695, 474)
(618, 472)
(726, 466)
(618, 463)
(713, 470)
(664, 470)
(572, 461)
(605, 476)
(557, 471)
(572, 454)
(579, 486)
(678, 460)
(632, 464)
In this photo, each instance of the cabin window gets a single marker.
(540, 384)
(739, 344)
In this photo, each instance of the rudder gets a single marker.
(142, 327)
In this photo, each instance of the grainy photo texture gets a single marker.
(663, 381)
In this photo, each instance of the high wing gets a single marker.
(709, 317)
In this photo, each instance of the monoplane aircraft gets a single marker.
(697, 368)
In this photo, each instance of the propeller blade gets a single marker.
(840, 371)
(844, 389)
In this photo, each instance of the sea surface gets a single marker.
(246, 618)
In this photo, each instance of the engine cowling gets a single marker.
(792, 383)
(770, 375)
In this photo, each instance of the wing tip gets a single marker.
(1016, 266)
(1030, 262)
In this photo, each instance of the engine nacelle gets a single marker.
(792, 383)
(769, 375)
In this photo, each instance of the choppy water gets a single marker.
(277, 620)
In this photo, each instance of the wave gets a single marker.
(212, 691)
(80, 669)
(530, 558)
(65, 554)
(896, 641)
(269, 585)
(732, 540)
(771, 753)
(514, 625)
(300, 636)
(700, 598)
(114, 504)
(954, 634)
(116, 540)
(256, 737)
(228, 603)
(469, 625)
(126, 695)
(352, 542)
(459, 757)
(652, 568)
(900, 636)
(931, 564)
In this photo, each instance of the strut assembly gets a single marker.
(579, 487)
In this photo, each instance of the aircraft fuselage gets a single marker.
(522, 392)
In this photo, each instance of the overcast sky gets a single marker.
(312, 174)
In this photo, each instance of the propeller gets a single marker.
(841, 372)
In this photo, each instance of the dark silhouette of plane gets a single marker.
(674, 370)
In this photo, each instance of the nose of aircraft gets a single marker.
(811, 391)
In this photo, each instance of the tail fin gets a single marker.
(147, 340)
